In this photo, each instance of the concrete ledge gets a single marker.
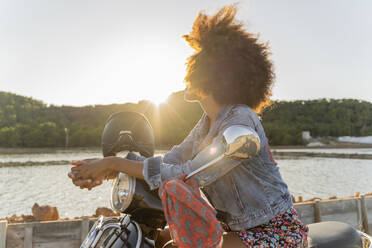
(71, 233)
(47, 234)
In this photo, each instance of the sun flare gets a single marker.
(158, 99)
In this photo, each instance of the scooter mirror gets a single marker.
(241, 142)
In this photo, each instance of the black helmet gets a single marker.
(127, 131)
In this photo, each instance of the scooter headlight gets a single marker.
(122, 192)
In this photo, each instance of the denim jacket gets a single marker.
(245, 192)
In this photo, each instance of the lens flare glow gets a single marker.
(213, 150)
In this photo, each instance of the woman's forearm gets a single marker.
(130, 167)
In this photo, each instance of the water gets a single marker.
(326, 177)
(21, 187)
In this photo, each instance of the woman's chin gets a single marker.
(190, 97)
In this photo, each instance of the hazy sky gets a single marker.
(80, 52)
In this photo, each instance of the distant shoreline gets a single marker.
(338, 146)
(322, 155)
(19, 150)
(280, 152)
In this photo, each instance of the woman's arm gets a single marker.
(127, 166)
(154, 170)
(105, 168)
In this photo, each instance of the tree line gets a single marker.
(26, 122)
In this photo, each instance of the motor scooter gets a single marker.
(141, 210)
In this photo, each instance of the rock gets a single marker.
(13, 219)
(313, 199)
(28, 218)
(44, 213)
(105, 212)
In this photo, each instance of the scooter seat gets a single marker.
(333, 234)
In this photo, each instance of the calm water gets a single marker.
(21, 187)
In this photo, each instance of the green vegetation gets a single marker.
(25, 122)
(285, 121)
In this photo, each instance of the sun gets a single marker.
(155, 75)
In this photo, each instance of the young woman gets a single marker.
(231, 76)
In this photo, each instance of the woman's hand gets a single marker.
(89, 173)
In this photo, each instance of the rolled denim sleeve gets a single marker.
(135, 157)
(158, 168)
(176, 156)
(151, 173)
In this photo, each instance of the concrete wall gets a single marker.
(352, 211)
(62, 234)
(70, 234)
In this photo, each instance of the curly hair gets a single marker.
(229, 63)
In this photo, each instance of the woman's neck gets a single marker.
(211, 108)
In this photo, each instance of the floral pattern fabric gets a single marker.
(285, 230)
(192, 221)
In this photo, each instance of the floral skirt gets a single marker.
(285, 230)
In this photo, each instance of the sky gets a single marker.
(86, 52)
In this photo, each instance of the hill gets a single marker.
(26, 122)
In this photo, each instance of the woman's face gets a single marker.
(192, 95)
